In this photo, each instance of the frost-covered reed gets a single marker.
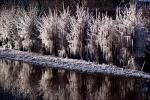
(16, 27)
(81, 35)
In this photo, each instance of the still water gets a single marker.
(20, 81)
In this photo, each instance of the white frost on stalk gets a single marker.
(47, 29)
(6, 24)
(128, 21)
(92, 36)
(77, 29)
(23, 21)
(63, 30)
(104, 35)
(73, 37)
(125, 25)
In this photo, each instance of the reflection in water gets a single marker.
(24, 81)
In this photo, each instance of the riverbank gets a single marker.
(70, 64)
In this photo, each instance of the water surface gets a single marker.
(29, 82)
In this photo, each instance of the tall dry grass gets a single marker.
(17, 27)
(82, 35)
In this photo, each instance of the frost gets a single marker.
(70, 64)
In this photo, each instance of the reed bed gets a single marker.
(81, 35)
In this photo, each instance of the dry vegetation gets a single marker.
(82, 35)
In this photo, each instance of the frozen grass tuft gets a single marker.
(16, 29)
(78, 31)
(24, 23)
(46, 26)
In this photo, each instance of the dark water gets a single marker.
(20, 81)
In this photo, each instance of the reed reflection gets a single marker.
(32, 82)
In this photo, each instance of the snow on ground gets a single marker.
(70, 64)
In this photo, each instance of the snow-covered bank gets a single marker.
(70, 64)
